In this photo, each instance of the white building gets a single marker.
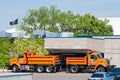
(4, 34)
(115, 22)
(39, 33)
(16, 33)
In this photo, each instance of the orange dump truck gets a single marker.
(90, 60)
(72, 61)
(28, 60)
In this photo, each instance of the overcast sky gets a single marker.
(12, 9)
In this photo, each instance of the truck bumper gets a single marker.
(8, 66)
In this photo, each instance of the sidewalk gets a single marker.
(4, 70)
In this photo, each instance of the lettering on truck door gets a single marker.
(21, 59)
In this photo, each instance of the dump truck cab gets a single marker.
(15, 63)
(97, 61)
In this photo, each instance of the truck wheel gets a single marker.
(49, 69)
(40, 69)
(15, 68)
(74, 69)
(100, 69)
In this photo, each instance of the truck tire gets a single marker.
(15, 68)
(74, 69)
(40, 69)
(49, 69)
(100, 69)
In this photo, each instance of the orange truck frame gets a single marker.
(29, 60)
(51, 63)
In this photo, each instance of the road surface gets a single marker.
(61, 76)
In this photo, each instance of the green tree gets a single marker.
(35, 19)
(29, 44)
(10, 47)
(4, 50)
(3, 60)
(89, 25)
(54, 20)
(66, 21)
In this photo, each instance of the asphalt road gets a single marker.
(61, 76)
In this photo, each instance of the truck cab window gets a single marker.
(93, 57)
(21, 56)
(99, 56)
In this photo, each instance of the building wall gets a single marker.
(96, 44)
(111, 46)
(115, 57)
(74, 43)
(65, 43)
(3, 34)
(112, 50)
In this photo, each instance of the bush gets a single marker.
(29, 44)
(15, 46)
(3, 60)
(4, 49)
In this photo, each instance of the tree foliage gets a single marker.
(90, 25)
(3, 60)
(10, 47)
(4, 49)
(30, 44)
(55, 20)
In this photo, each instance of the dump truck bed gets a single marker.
(76, 61)
(43, 59)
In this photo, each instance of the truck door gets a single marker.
(22, 59)
(93, 60)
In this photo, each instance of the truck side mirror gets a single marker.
(110, 58)
(102, 55)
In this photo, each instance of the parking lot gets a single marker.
(61, 76)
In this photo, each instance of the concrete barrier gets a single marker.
(15, 76)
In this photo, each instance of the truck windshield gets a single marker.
(99, 56)
(21, 56)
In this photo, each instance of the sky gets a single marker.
(17, 9)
